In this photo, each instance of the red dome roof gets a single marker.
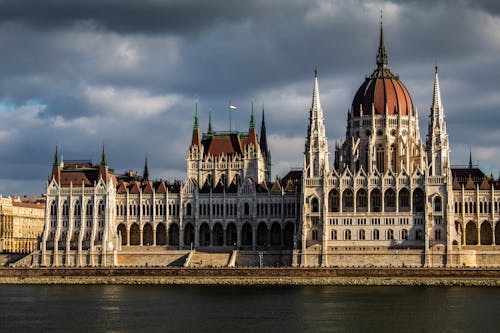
(382, 89)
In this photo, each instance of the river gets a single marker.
(142, 308)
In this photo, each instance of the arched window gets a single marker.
(246, 209)
(77, 209)
(390, 200)
(390, 234)
(347, 234)
(333, 201)
(188, 209)
(347, 201)
(404, 200)
(361, 200)
(362, 234)
(376, 234)
(380, 159)
(89, 209)
(314, 205)
(437, 234)
(65, 208)
(376, 200)
(418, 201)
(333, 234)
(437, 204)
(404, 234)
(53, 208)
(101, 207)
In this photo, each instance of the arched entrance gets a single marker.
(147, 234)
(486, 233)
(204, 235)
(276, 234)
(135, 236)
(262, 234)
(471, 233)
(122, 231)
(231, 235)
(188, 234)
(246, 235)
(161, 234)
(217, 235)
(173, 235)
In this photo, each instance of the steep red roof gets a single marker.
(27, 205)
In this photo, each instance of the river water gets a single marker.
(65, 308)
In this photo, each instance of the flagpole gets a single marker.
(229, 109)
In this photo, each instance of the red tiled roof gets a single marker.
(27, 205)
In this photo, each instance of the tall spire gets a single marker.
(382, 55)
(436, 98)
(316, 147)
(315, 99)
(103, 157)
(196, 125)
(263, 134)
(252, 122)
(56, 157)
(470, 158)
(210, 129)
(195, 137)
(145, 175)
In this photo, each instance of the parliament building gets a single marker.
(384, 197)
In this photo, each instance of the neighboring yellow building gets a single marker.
(21, 224)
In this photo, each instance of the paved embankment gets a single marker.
(254, 276)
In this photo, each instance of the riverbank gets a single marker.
(254, 276)
(254, 280)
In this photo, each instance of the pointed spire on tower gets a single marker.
(145, 175)
(263, 134)
(195, 137)
(436, 98)
(252, 122)
(103, 157)
(382, 55)
(56, 157)
(196, 125)
(210, 129)
(470, 158)
(315, 100)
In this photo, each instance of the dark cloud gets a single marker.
(128, 73)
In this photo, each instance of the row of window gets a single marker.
(77, 208)
(375, 235)
(473, 207)
(78, 223)
(346, 201)
(363, 221)
(148, 210)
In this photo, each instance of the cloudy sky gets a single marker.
(127, 74)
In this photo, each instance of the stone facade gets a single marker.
(388, 199)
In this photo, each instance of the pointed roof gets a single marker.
(148, 188)
(122, 188)
(485, 184)
(276, 186)
(135, 188)
(252, 135)
(162, 188)
(219, 188)
(196, 125)
(195, 138)
(470, 184)
(455, 184)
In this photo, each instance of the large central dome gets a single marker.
(382, 90)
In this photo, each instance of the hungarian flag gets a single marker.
(232, 106)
